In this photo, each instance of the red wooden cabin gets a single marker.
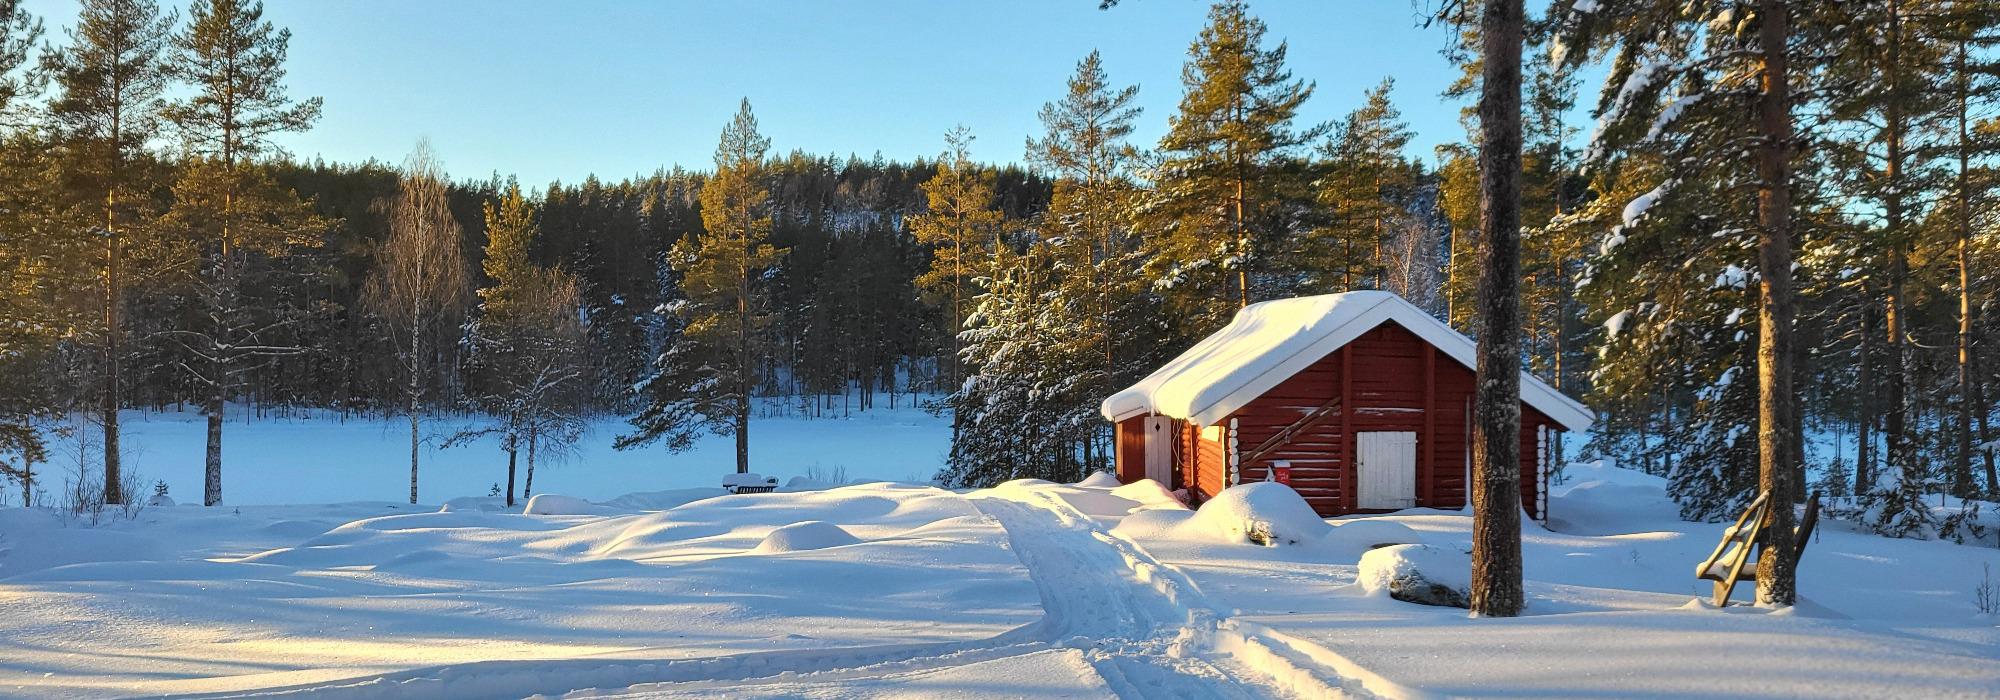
(1361, 401)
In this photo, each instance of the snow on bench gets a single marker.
(749, 483)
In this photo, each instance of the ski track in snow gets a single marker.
(1117, 620)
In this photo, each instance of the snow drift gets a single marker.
(805, 536)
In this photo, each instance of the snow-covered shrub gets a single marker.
(805, 536)
(1266, 513)
(1899, 510)
(1963, 524)
(1418, 573)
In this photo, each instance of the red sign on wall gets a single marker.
(1282, 473)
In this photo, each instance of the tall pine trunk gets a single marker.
(511, 450)
(1896, 433)
(744, 361)
(211, 490)
(113, 493)
(528, 484)
(1962, 482)
(1496, 444)
(1985, 432)
(1776, 442)
(1864, 422)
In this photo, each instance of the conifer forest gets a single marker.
(158, 251)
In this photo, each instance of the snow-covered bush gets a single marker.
(1418, 573)
(1266, 513)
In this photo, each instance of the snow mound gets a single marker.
(1149, 493)
(1264, 513)
(805, 536)
(557, 504)
(1418, 573)
(474, 504)
(1099, 480)
(1599, 498)
(801, 483)
(1356, 537)
(662, 500)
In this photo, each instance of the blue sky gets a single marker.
(560, 90)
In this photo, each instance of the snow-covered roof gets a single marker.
(1268, 342)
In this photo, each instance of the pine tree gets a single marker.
(29, 268)
(1672, 113)
(419, 286)
(959, 226)
(235, 217)
(1366, 188)
(108, 77)
(1972, 24)
(1496, 429)
(704, 381)
(1100, 335)
(1230, 168)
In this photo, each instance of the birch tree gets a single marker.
(420, 286)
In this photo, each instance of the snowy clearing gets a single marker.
(321, 458)
(887, 590)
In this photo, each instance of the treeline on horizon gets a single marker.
(182, 261)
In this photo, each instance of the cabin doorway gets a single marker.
(1386, 470)
(1160, 450)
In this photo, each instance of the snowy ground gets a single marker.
(885, 590)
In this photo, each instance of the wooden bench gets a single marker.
(1727, 565)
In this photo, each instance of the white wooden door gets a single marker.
(1160, 450)
(1386, 470)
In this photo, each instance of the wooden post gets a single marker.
(1235, 467)
(1426, 443)
(1350, 472)
(1542, 472)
